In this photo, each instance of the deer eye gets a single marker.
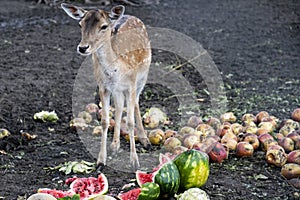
(103, 27)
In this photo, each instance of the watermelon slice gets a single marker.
(131, 194)
(149, 191)
(87, 188)
(56, 193)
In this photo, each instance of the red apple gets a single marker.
(294, 135)
(260, 116)
(294, 157)
(296, 115)
(218, 153)
(244, 149)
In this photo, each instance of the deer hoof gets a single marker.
(100, 166)
(115, 146)
(145, 142)
(134, 161)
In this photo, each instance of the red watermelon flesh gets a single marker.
(144, 177)
(130, 195)
(56, 193)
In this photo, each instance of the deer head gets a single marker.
(96, 26)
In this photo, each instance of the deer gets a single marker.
(121, 55)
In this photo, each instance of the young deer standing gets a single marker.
(121, 55)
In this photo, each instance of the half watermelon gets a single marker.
(87, 188)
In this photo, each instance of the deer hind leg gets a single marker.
(105, 99)
(131, 100)
(119, 105)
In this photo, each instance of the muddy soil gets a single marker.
(255, 46)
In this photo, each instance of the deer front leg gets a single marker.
(119, 105)
(141, 132)
(130, 124)
(105, 98)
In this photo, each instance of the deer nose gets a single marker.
(82, 49)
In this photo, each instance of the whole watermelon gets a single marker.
(193, 168)
(168, 179)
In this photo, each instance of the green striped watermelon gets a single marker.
(148, 191)
(193, 167)
(166, 176)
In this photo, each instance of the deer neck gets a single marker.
(107, 57)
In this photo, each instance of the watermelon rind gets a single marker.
(193, 167)
(150, 191)
(168, 179)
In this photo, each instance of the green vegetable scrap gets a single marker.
(46, 116)
(75, 167)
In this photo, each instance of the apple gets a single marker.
(290, 170)
(286, 129)
(214, 122)
(156, 136)
(170, 133)
(264, 137)
(229, 143)
(92, 108)
(276, 156)
(267, 126)
(287, 144)
(294, 135)
(244, 149)
(194, 121)
(228, 117)
(223, 129)
(206, 129)
(236, 128)
(186, 130)
(171, 143)
(230, 135)
(217, 153)
(189, 140)
(251, 139)
(294, 157)
(250, 129)
(260, 116)
(248, 117)
(261, 131)
(296, 115)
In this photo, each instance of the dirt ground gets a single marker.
(254, 44)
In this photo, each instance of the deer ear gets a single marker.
(73, 11)
(116, 12)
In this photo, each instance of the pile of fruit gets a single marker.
(280, 140)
